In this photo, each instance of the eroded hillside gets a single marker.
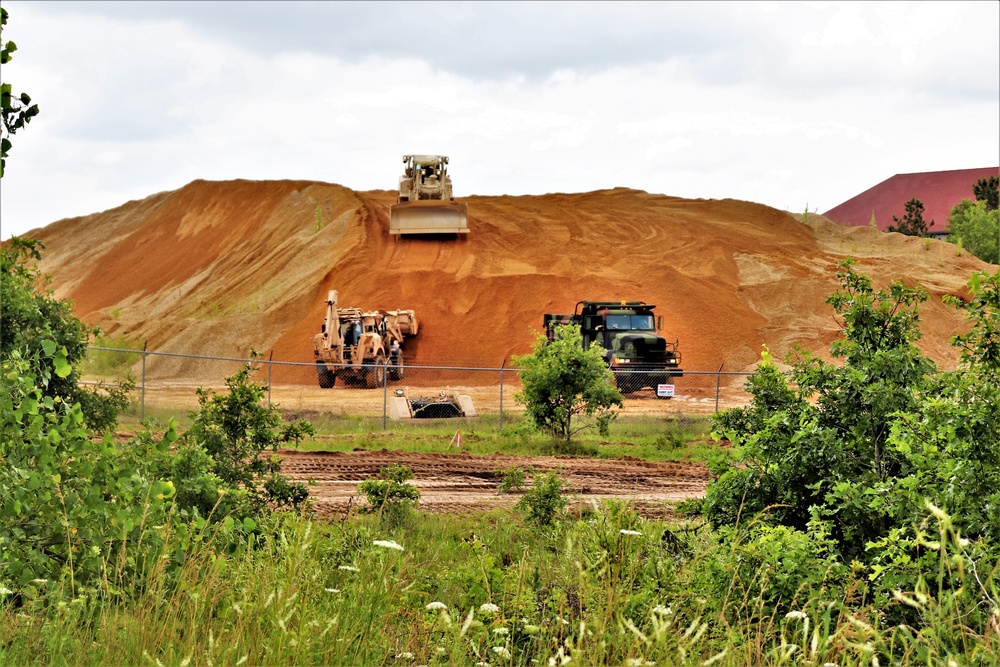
(218, 268)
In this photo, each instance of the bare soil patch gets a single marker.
(456, 483)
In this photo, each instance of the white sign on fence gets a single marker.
(665, 390)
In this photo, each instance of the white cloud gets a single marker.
(783, 103)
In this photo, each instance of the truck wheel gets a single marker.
(396, 368)
(325, 376)
(376, 373)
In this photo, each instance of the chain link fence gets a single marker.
(359, 399)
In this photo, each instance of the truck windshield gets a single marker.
(630, 322)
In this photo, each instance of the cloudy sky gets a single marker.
(793, 105)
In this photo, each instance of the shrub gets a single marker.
(512, 480)
(389, 495)
(31, 315)
(234, 430)
(544, 503)
(562, 381)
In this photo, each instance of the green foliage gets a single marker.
(912, 223)
(389, 495)
(561, 381)
(512, 480)
(987, 190)
(74, 512)
(235, 430)
(976, 227)
(31, 315)
(544, 503)
(17, 109)
(822, 439)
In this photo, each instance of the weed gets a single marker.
(512, 479)
(544, 503)
(389, 495)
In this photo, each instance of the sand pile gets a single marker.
(218, 268)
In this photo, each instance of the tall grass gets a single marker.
(607, 587)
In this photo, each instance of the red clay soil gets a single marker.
(218, 268)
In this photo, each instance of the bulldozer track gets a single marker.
(444, 253)
(460, 482)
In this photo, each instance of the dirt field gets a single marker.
(462, 483)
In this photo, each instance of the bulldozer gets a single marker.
(361, 347)
(425, 204)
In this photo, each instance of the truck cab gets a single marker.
(627, 332)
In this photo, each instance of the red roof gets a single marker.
(938, 190)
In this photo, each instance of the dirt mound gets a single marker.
(218, 268)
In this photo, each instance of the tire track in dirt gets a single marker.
(458, 483)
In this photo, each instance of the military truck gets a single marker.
(627, 331)
(360, 346)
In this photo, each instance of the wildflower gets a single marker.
(488, 608)
(347, 568)
(501, 651)
(623, 531)
(5, 591)
(796, 614)
(663, 611)
(501, 631)
(436, 605)
(388, 544)
(405, 655)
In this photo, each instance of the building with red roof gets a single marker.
(939, 191)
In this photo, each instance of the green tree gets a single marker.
(819, 438)
(561, 381)
(17, 109)
(976, 228)
(912, 223)
(30, 314)
(987, 190)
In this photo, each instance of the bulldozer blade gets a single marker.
(428, 217)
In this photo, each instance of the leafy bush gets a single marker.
(73, 511)
(31, 315)
(864, 445)
(544, 503)
(389, 495)
(233, 431)
(512, 480)
(561, 381)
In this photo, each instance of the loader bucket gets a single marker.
(428, 217)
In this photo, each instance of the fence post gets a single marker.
(718, 381)
(142, 412)
(385, 398)
(502, 364)
(269, 358)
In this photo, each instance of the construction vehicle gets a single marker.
(425, 204)
(444, 405)
(638, 356)
(361, 347)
